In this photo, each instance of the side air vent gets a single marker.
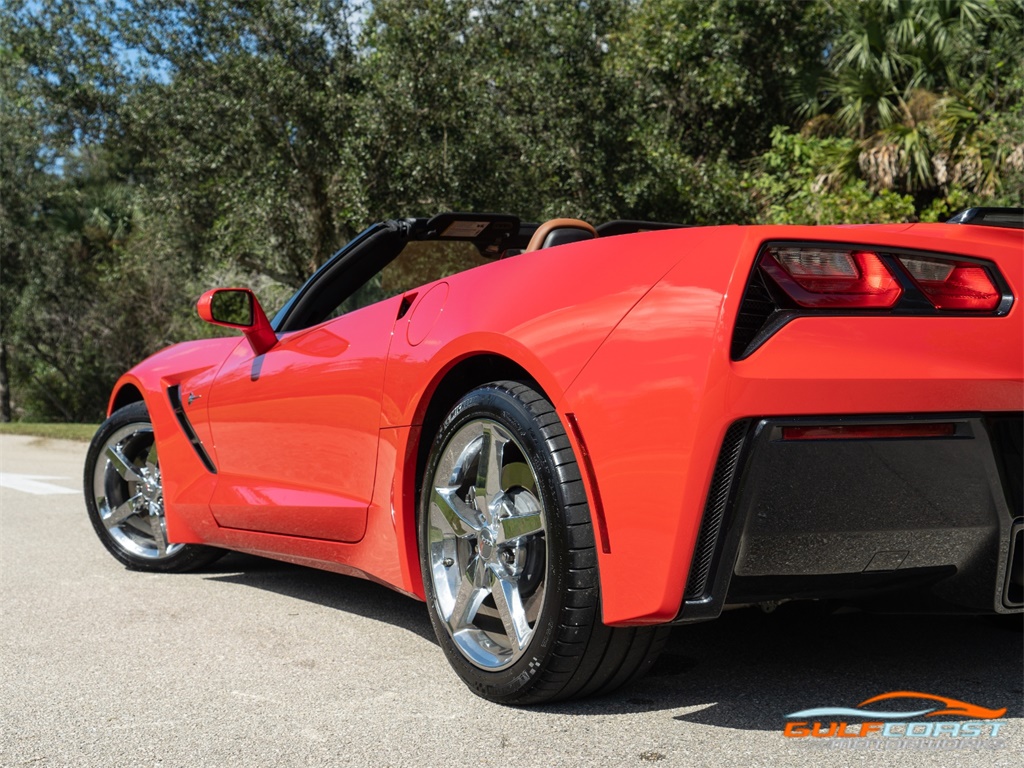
(174, 395)
(1007, 434)
(756, 310)
(715, 510)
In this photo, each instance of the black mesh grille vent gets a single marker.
(714, 510)
(1008, 442)
(755, 310)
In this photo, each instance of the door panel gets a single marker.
(296, 429)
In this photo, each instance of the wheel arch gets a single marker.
(126, 394)
(449, 387)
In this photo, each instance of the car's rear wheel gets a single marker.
(124, 496)
(508, 556)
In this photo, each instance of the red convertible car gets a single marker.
(565, 439)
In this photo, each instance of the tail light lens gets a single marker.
(796, 279)
(832, 278)
(954, 285)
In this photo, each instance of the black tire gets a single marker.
(124, 497)
(511, 581)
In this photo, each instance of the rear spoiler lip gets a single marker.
(1007, 218)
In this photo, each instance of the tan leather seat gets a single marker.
(559, 232)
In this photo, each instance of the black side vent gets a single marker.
(756, 310)
(1008, 444)
(715, 509)
(1013, 590)
(174, 395)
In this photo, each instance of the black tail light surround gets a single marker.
(793, 279)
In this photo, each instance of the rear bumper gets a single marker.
(912, 523)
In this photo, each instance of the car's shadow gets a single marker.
(746, 670)
(344, 593)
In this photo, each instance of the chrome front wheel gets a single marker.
(129, 492)
(125, 498)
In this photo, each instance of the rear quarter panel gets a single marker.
(547, 310)
(654, 402)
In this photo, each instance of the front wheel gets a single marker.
(508, 556)
(125, 499)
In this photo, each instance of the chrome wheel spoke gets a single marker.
(158, 526)
(460, 516)
(521, 517)
(150, 459)
(124, 468)
(467, 600)
(521, 526)
(488, 474)
(513, 616)
(122, 512)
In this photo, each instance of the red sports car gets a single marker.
(566, 439)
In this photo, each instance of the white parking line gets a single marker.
(31, 484)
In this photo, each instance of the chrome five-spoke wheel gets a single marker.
(125, 497)
(508, 557)
(129, 494)
(487, 548)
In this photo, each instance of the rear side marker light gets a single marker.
(953, 284)
(832, 278)
(861, 432)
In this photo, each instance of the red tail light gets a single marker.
(795, 279)
(954, 284)
(832, 278)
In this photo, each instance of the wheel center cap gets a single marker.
(485, 544)
(150, 489)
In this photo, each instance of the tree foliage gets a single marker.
(924, 87)
(153, 149)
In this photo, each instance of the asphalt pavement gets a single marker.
(258, 663)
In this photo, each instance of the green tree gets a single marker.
(498, 105)
(77, 304)
(57, 89)
(791, 185)
(242, 122)
(711, 76)
(25, 188)
(926, 88)
(707, 83)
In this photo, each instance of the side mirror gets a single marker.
(238, 308)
